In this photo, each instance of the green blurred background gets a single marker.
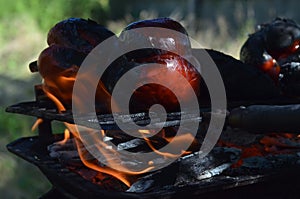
(221, 25)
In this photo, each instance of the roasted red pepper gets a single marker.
(270, 45)
(79, 34)
(170, 64)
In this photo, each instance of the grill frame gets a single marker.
(72, 185)
(65, 182)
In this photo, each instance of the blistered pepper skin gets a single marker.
(166, 70)
(80, 34)
(270, 45)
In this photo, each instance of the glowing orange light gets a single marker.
(36, 124)
(177, 139)
(66, 137)
(106, 150)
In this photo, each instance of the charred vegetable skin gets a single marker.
(182, 46)
(70, 41)
(58, 64)
(270, 46)
(170, 64)
(245, 83)
(79, 34)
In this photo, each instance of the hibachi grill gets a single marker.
(257, 154)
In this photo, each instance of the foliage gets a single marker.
(47, 13)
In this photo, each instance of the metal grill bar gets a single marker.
(107, 121)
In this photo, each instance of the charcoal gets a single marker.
(188, 169)
(60, 146)
(281, 143)
(239, 137)
(266, 164)
(156, 180)
(193, 168)
(66, 152)
(271, 161)
(213, 172)
(130, 144)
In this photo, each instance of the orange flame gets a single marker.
(36, 124)
(178, 139)
(66, 137)
(59, 90)
(102, 147)
(58, 104)
(122, 177)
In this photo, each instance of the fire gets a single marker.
(36, 124)
(59, 88)
(58, 83)
(269, 144)
(104, 149)
(59, 105)
(67, 136)
(177, 140)
(107, 170)
(72, 128)
(114, 165)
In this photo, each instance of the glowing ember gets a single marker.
(271, 144)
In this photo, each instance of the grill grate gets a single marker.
(34, 149)
(107, 121)
(73, 185)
